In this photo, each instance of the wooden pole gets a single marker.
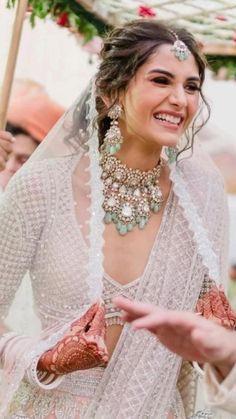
(11, 60)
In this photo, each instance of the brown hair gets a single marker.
(125, 50)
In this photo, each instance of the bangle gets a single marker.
(42, 379)
(5, 339)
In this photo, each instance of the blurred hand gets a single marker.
(190, 336)
(6, 141)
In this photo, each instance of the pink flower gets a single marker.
(234, 38)
(222, 18)
(146, 11)
(63, 19)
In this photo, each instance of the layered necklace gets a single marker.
(130, 195)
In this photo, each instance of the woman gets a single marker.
(160, 227)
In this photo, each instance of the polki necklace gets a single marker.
(130, 195)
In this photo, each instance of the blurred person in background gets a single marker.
(31, 114)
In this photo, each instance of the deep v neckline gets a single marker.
(77, 229)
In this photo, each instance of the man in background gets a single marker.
(31, 115)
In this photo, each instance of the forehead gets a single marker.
(164, 58)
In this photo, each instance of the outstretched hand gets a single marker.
(189, 335)
(6, 141)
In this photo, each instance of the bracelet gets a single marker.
(42, 379)
(4, 340)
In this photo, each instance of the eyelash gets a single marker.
(161, 80)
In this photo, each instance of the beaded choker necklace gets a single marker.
(130, 195)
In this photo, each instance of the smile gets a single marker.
(164, 117)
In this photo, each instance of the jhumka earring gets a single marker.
(179, 48)
(113, 138)
(171, 154)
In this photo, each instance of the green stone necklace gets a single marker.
(130, 195)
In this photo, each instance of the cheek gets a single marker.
(193, 106)
(133, 108)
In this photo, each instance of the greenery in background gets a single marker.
(216, 62)
(70, 14)
(66, 13)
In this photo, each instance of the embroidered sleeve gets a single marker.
(213, 304)
(21, 216)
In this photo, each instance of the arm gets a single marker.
(17, 244)
(22, 217)
(195, 339)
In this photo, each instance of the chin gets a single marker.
(170, 141)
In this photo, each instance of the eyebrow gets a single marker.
(167, 73)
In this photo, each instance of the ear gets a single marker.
(106, 100)
(109, 101)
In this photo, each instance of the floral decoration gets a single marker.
(146, 11)
(61, 12)
(222, 18)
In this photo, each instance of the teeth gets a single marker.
(169, 118)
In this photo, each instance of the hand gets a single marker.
(82, 347)
(6, 141)
(189, 335)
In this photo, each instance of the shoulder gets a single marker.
(201, 173)
(35, 179)
(32, 190)
(204, 184)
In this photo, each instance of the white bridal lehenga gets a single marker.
(45, 230)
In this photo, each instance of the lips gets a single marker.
(170, 118)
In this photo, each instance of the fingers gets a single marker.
(6, 141)
(164, 318)
(133, 309)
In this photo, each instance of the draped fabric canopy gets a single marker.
(212, 21)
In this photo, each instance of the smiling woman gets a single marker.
(100, 212)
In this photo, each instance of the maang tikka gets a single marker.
(113, 138)
(179, 48)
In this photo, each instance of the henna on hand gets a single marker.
(82, 347)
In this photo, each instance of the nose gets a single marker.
(178, 97)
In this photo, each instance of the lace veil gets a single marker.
(75, 137)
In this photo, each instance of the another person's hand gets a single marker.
(6, 140)
(190, 336)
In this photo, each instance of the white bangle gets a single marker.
(4, 340)
(42, 379)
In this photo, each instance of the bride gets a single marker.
(99, 211)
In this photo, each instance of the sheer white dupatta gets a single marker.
(73, 137)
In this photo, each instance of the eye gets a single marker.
(160, 80)
(192, 87)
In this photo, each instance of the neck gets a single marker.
(136, 155)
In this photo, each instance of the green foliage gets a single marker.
(64, 13)
(216, 62)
